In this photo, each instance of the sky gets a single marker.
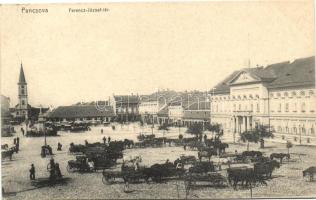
(142, 47)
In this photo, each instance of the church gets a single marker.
(23, 110)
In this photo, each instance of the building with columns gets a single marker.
(280, 95)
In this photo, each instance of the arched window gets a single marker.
(287, 129)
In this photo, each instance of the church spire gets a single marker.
(22, 77)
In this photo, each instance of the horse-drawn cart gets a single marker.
(128, 175)
(213, 178)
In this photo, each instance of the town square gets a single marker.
(142, 109)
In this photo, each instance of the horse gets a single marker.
(310, 172)
(207, 154)
(260, 159)
(280, 156)
(128, 143)
(222, 147)
(266, 168)
(76, 148)
(243, 175)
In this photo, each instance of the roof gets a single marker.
(301, 72)
(127, 98)
(202, 105)
(197, 114)
(79, 111)
(22, 77)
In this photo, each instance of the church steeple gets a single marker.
(22, 77)
(22, 109)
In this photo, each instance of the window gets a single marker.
(303, 107)
(294, 130)
(258, 108)
(280, 107)
(312, 131)
(234, 107)
(303, 130)
(293, 93)
(295, 139)
(295, 107)
(22, 92)
(286, 94)
(279, 129)
(23, 102)
(287, 107)
(287, 129)
(302, 93)
(251, 107)
(239, 107)
(18, 113)
(283, 137)
(308, 140)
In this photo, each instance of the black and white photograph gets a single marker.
(158, 100)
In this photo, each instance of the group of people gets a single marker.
(54, 170)
(104, 139)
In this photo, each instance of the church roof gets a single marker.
(22, 76)
(300, 73)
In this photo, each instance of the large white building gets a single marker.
(281, 95)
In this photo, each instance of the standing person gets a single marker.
(101, 130)
(109, 139)
(32, 172)
(14, 141)
(205, 137)
(104, 139)
(18, 140)
(22, 130)
(52, 170)
(58, 172)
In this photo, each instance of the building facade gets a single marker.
(281, 96)
(198, 112)
(126, 108)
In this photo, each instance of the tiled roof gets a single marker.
(223, 86)
(301, 72)
(81, 111)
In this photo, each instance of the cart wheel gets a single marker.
(69, 168)
(48, 167)
(106, 180)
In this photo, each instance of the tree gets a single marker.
(264, 132)
(288, 146)
(195, 129)
(250, 136)
(215, 128)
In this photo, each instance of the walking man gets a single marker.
(32, 172)
(104, 139)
